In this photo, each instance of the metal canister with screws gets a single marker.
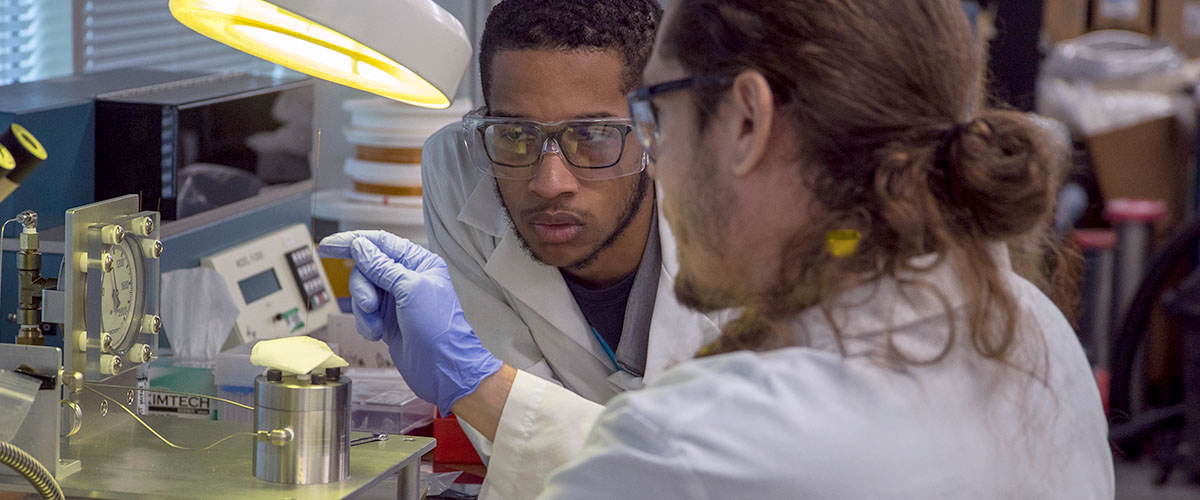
(303, 426)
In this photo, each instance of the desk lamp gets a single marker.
(412, 51)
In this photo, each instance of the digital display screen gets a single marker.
(258, 286)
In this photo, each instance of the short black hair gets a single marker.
(624, 26)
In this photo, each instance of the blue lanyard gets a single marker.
(607, 350)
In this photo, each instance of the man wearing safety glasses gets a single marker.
(541, 207)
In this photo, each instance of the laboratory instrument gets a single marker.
(106, 300)
(82, 424)
(303, 421)
(200, 142)
(278, 283)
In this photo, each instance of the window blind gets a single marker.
(35, 39)
(113, 34)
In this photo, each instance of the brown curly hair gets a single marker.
(887, 100)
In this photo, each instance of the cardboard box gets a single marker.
(1132, 15)
(1065, 19)
(1146, 160)
(1179, 23)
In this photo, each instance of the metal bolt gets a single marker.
(106, 263)
(151, 323)
(145, 226)
(105, 342)
(112, 235)
(110, 364)
(12, 318)
(104, 408)
(152, 249)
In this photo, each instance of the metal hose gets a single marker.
(32, 470)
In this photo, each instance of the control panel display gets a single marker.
(278, 284)
(258, 286)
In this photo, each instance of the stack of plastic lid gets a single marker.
(386, 167)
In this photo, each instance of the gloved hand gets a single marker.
(379, 321)
(401, 293)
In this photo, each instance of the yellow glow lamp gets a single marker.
(412, 51)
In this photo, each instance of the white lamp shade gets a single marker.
(412, 51)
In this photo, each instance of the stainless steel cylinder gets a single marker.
(308, 421)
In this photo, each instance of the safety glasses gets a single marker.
(511, 148)
(645, 114)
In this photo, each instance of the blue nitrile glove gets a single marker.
(374, 325)
(402, 294)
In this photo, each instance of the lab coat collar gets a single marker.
(670, 260)
(869, 311)
(483, 210)
(540, 287)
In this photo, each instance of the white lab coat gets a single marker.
(524, 313)
(810, 423)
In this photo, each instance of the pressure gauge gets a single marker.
(110, 287)
(119, 294)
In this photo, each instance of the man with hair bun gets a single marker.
(918, 363)
(922, 365)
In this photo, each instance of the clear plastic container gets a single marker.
(380, 401)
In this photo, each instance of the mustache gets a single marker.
(556, 209)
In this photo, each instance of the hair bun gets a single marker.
(1002, 172)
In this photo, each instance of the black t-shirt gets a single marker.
(604, 309)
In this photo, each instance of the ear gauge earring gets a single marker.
(842, 242)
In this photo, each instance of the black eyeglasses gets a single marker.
(510, 148)
(645, 114)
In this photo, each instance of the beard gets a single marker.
(629, 209)
(701, 222)
(693, 297)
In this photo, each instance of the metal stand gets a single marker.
(127, 462)
(408, 482)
